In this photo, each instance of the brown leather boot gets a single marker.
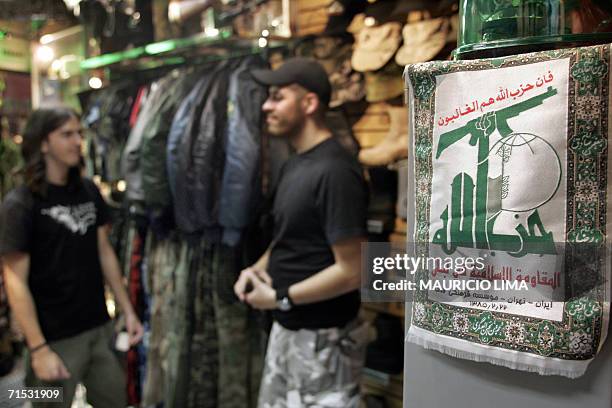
(394, 146)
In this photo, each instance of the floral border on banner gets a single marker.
(578, 335)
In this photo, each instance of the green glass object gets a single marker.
(491, 28)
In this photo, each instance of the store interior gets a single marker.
(191, 207)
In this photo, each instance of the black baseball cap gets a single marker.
(306, 72)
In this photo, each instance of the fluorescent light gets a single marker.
(46, 39)
(49, 38)
(159, 47)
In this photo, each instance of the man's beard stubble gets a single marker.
(286, 128)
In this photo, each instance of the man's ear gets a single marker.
(44, 146)
(312, 103)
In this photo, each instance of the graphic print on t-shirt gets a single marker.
(76, 218)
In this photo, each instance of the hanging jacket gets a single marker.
(240, 185)
(138, 102)
(130, 163)
(182, 124)
(106, 123)
(113, 129)
(155, 186)
(200, 163)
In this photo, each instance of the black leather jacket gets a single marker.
(240, 186)
(200, 162)
(155, 185)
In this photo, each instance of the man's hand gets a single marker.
(263, 296)
(134, 328)
(247, 276)
(48, 366)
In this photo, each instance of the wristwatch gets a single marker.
(283, 301)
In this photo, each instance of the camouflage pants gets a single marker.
(313, 368)
(239, 336)
(204, 347)
(168, 270)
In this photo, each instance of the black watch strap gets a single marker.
(283, 301)
(282, 293)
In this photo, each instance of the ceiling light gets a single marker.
(44, 54)
(95, 82)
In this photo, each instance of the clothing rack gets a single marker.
(170, 51)
(147, 72)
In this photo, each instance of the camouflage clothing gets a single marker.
(313, 368)
(239, 336)
(167, 266)
(204, 348)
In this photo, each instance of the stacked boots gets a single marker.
(394, 146)
(386, 353)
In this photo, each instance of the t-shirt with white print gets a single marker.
(59, 232)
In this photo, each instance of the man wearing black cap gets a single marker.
(316, 347)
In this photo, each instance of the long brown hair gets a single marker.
(40, 123)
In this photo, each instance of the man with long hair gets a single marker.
(56, 255)
(310, 274)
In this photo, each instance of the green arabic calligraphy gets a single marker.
(473, 227)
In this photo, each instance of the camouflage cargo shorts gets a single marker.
(313, 368)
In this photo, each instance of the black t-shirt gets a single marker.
(321, 199)
(59, 233)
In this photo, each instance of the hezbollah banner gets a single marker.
(510, 166)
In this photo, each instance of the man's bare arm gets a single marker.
(16, 270)
(46, 364)
(342, 277)
(263, 261)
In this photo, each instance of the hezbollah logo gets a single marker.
(475, 207)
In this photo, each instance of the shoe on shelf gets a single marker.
(395, 144)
